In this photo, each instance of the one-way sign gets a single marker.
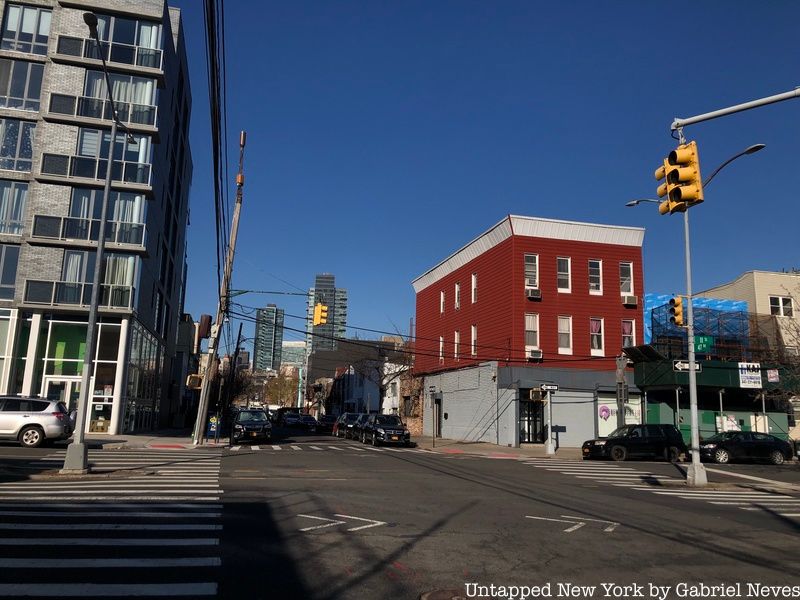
(549, 387)
(683, 365)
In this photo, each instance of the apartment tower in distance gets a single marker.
(324, 337)
(55, 124)
(269, 339)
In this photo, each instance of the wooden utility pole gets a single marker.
(222, 306)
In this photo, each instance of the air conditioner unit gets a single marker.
(534, 355)
(630, 300)
(533, 293)
(531, 283)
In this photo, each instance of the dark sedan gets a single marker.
(326, 423)
(385, 429)
(729, 446)
(251, 426)
(308, 422)
(344, 425)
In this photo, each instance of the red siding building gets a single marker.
(533, 293)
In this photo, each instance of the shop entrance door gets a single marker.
(531, 422)
(63, 390)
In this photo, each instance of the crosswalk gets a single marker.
(640, 479)
(144, 524)
(321, 447)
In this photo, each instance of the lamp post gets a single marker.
(76, 461)
(696, 473)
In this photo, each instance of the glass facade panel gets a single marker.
(20, 84)
(16, 144)
(13, 195)
(9, 258)
(25, 29)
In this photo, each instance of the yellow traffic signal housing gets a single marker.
(676, 311)
(684, 182)
(320, 314)
(668, 206)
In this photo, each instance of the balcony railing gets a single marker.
(10, 227)
(95, 168)
(88, 230)
(97, 108)
(124, 54)
(78, 294)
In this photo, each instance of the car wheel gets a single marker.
(374, 440)
(31, 437)
(673, 454)
(619, 453)
(776, 457)
(722, 456)
(363, 438)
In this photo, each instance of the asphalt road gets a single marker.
(314, 517)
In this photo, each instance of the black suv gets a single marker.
(385, 429)
(250, 425)
(357, 431)
(638, 441)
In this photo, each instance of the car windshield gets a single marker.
(351, 418)
(620, 431)
(723, 436)
(252, 415)
(389, 420)
(308, 418)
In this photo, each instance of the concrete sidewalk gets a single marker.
(493, 451)
(166, 439)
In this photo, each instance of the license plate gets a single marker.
(395, 438)
(253, 434)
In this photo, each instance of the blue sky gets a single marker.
(383, 136)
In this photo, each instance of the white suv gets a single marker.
(31, 421)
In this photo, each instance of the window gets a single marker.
(441, 302)
(457, 294)
(441, 349)
(12, 206)
(474, 340)
(596, 336)
(596, 277)
(94, 143)
(135, 97)
(16, 144)
(456, 342)
(26, 29)
(563, 277)
(565, 335)
(628, 333)
(532, 331)
(9, 257)
(127, 207)
(531, 271)
(781, 306)
(20, 84)
(474, 288)
(626, 278)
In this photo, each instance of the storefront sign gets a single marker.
(750, 375)
(773, 376)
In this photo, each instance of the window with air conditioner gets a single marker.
(531, 271)
(626, 278)
(531, 332)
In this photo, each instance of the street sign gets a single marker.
(703, 343)
(549, 387)
(683, 365)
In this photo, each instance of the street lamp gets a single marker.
(76, 460)
(696, 473)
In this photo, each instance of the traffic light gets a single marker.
(676, 311)
(683, 183)
(320, 314)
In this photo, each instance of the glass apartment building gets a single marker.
(54, 146)
(269, 339)
(325, 337)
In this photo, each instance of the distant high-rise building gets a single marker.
(293, 353)
(269, 338)
(324, 337)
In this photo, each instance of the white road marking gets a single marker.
(750, 477)
(330, 524)
(567, 530)
(612, 525)
(373, 522)
(296, 448)
(315, 447)
(276, 447)
(335, 448)
(255, 447)
(107, 527)
(235, 448)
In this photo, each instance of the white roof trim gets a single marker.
(530, 227)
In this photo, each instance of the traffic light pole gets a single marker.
(696, 473)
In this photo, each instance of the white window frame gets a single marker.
(441, 302)
(782, 303)
(456, 343)
(441, 348)
(632, 335)
(531, 319)
(474, 288)
(564, 319)
(622, 290)
(534, 284)
(601, 351)
(568, 289)
(474, 340)
(599, 290)
(457, 294)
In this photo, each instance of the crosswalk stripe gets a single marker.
(335, 448)
(276, 447)
(255, 447)
(356, 449)
(296, 448)
(235, 448)
(315, 447)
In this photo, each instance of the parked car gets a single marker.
(344, 425)
(277, 416)
(308, 422)
(729, 446)
(290, 419)
(638, 441)
(33, 421)
(251, 425)
(385, 429)
(358, 427)
(326, 424)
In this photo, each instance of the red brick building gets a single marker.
(557, 299)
